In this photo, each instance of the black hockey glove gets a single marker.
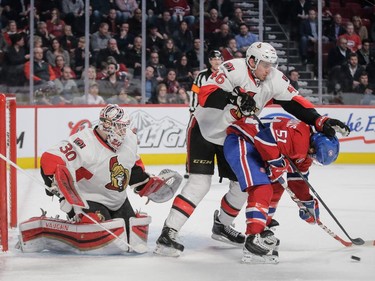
(245, 102)
(329, 126)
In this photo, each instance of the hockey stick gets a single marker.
(140, 249)
(321, 225)
(355, 241)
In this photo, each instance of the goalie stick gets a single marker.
(355, 241)
(77, 202)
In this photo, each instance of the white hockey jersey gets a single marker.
(101, 174)
(213, 119)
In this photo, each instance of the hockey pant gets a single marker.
(192, 194)
(41, 233)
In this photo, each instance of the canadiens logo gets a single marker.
(119, 176)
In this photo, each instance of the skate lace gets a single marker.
(230, 231)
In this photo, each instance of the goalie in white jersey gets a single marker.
(103, 162)
(241, 87)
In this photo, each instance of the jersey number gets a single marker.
(281, 135)
(219, 77)
(68, 151)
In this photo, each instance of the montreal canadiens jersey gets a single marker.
(214, 116)
(284, 136)
(101, 174)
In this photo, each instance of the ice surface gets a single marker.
(306, 251)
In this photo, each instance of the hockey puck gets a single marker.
(356, 258)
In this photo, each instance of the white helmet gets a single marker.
(113, 121)
(261, 51)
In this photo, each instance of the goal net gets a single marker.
(8, 174)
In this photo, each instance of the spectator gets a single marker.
(364, 54)
(111, 85)
(114, 20)
(364, 86)
(171, 82)
(245, 38)
(193, 55)
(327, 17)
(293, 78)
(15, 57)
(309, 36)
(57, 49)
(180, 11)
(160, 69)
(111, 50)
(10, 30)
(93, 96)
(126, 8)
(73, 11)
(230, 50)
(42, 70)
(182, 97)
(101, 9)
(169, 54)
(150, 85)
(299, 10)
(55, 25)
(122, 98)
(161, 94)
(354, 41)
(166, 25)
(350, 73)
(225, 8)
(68, 41)
(212, 24)
(183, 37)
(336, 29)
(155, 9)
(103, 73)
(121, 70)
(219, 39)
(124, 38)
(236, 21)
(91, 75)
(79, 56)
(42, 32)
(154, 40)
(338, 55)
(66, 87)
(59, 65)
(99, 40)
(45, 10)
(359, 29)
(135, 23)
(184, 72)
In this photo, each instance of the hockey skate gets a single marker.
(226, 234)
(260, 248)
(167, 244)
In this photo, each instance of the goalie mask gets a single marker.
(326, 149)
(260, 51)
(114, 121)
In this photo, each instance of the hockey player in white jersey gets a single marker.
(241, 87)
(103, 162)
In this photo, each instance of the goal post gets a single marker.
(8, 174)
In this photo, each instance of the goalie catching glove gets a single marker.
(310, 211)
(160, 188)
(244, 101)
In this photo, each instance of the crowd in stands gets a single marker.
(172, 48)
(347, 39)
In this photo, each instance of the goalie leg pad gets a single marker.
(41, 233)
(138, 229)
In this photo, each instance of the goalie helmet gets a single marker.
(260, 51)
(326, 148)
(114, 121)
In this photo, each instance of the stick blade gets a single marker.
(358, 241)
(67, 187)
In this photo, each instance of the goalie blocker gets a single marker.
(41, 233)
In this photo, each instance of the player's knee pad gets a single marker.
(138, 230)
(231, 203)
(196, 187)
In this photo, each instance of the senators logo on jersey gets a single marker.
(119, 176)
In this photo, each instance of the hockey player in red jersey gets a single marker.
(103, 162)
(256, 153)
(241, 87)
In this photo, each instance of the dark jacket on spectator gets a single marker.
(335, 57)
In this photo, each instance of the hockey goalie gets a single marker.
(90, 173)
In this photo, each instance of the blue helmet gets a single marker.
(326, 148)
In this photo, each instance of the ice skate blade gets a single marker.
(250, 258)
(225, 240)
(166, 251)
